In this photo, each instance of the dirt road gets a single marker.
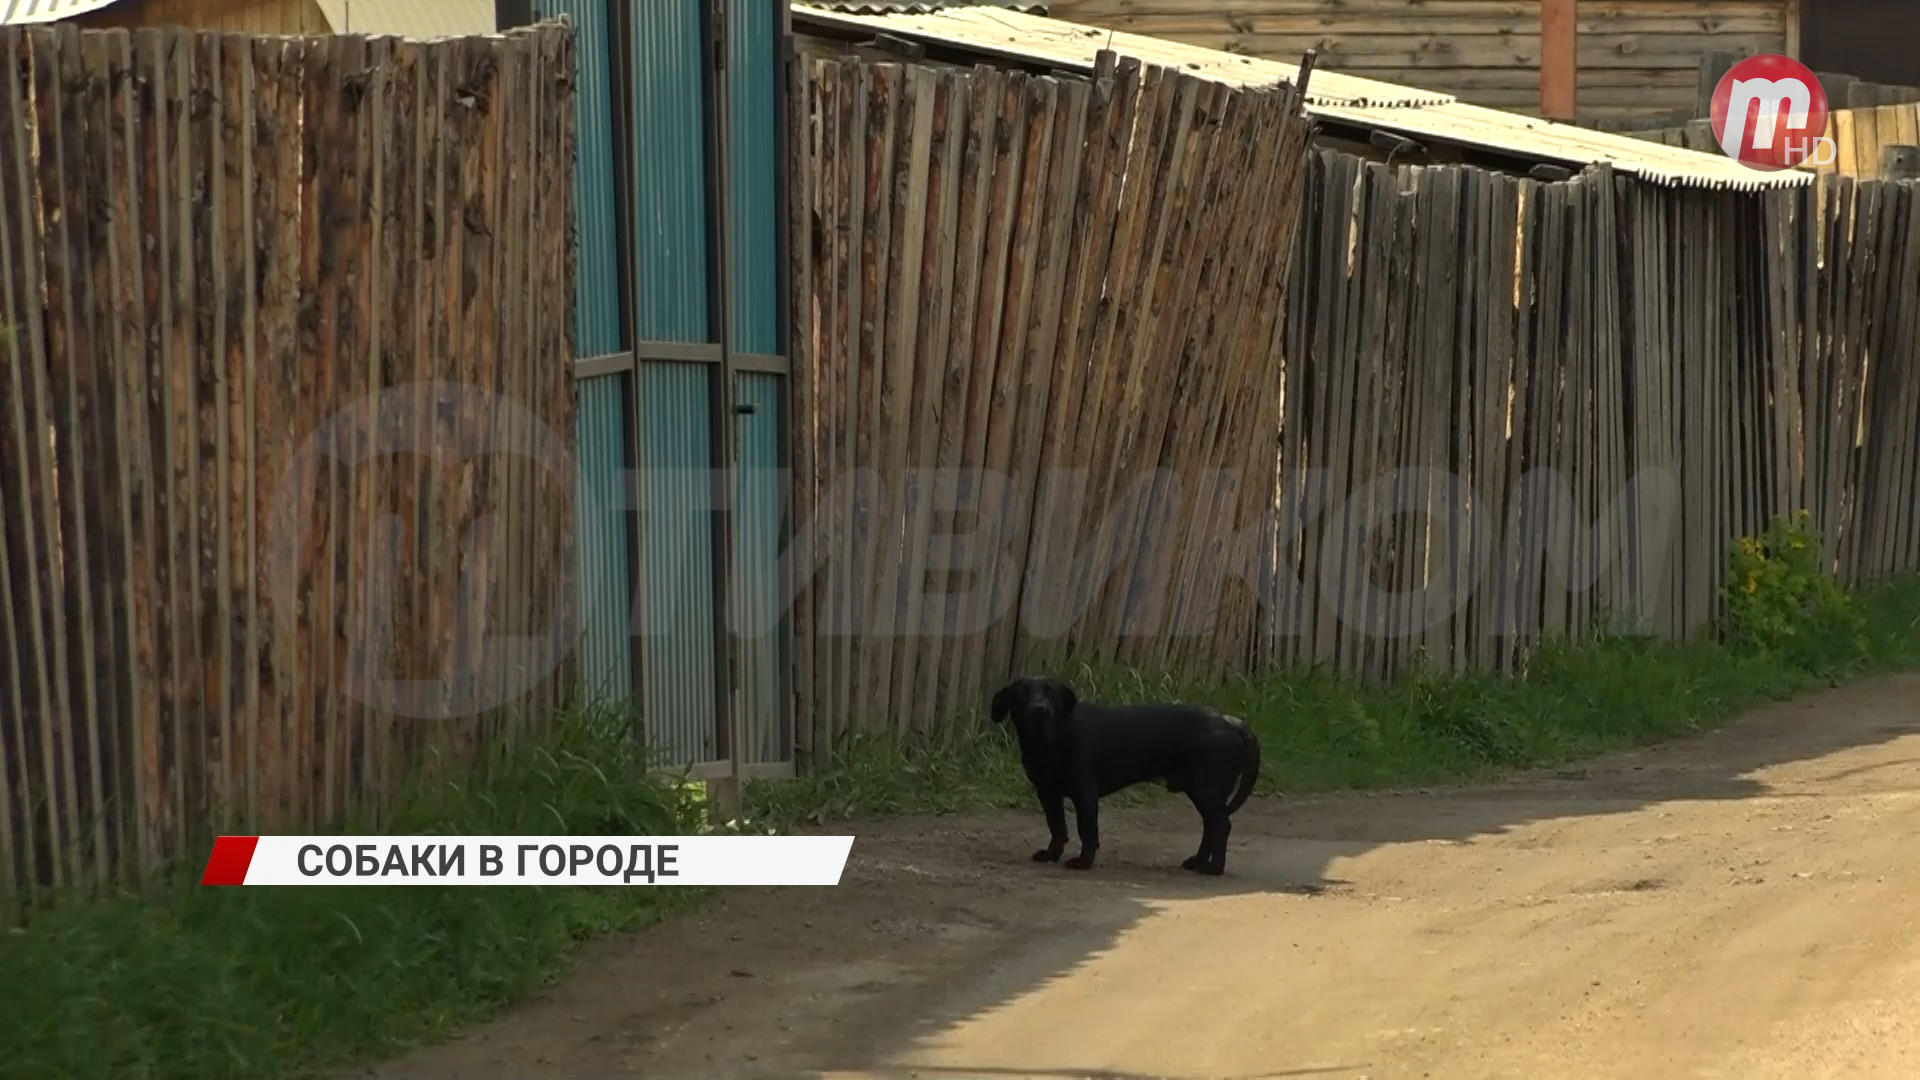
(1745, 905)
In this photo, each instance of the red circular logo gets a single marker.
(1770, 113)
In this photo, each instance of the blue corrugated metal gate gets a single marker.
(682, 370)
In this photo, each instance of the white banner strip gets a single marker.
(528, 860)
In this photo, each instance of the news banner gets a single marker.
(527, 860)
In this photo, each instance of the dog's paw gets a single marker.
(1212, 869)
(1078, 862)
(1193, 862)
(1046, 855)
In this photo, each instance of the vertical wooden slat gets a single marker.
(204, 186)
(1410, 530)
(48, 460)
(457, 361)
(1242, 448)
(849, 121)
(34, 705)
(906, 196)
(278, 157)
(1170, 264)
(1109, 128)
(1054, 146)
(1172, 526)
(520, 281)
(475, 96)
(1119, 487)
(394, 597)
(377, 481)
(942, 666)
(326, 161)
(993, 373)
(485, 84)
(91, 68)
(555, 339)
(1104, 409)
(67, 396)
(961, 216)
(1182, 502)
(883, 113)
(508, 591)
(235, 180)
(504, 500)
(424, 657)
(802, 534)
(915, 648)
(825, 630)
(1030, 136)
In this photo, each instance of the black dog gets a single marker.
(1083, 752)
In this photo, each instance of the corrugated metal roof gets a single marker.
(1418, 114)
(928, 7)
(399, 18)
(409, 18)
(14, 12)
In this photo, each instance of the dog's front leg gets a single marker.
(1086, 815)
(1053, 803)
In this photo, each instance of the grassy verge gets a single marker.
(213, 983)
(1322, 732)
(250, 983)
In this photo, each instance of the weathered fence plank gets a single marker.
(1037, 255)
(211, 245)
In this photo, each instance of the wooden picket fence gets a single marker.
(1859, 135)
(1024, 275)
(1760, 349)
(210, 244)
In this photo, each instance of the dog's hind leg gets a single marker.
(1215, 825)
(1217, 831)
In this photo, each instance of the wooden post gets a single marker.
(1898, 162)
(1559, 59)
(1713, 67)
(1838, 88)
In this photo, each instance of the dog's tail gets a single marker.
(1251, 774)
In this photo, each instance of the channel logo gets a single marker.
(1770, 113)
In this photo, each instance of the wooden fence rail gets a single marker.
(1021, 276)
(211, 244)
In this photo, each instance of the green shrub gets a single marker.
(1784, 605)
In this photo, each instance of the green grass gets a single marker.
(1322, 732)
(260, 982)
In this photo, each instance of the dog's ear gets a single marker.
(1064, 699)
(1002, 703)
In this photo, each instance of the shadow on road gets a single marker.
(943, 947)
(1297, 847)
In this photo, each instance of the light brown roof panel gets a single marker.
(409, 18)
(922, 7)
(1019, 36)
(16, 12)
(1418, 114)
